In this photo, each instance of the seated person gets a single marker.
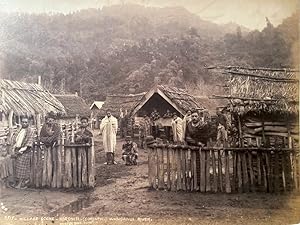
(50, 131)
(197, 131)
(129, 152)
(83, 135)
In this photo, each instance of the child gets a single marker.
(130, 152)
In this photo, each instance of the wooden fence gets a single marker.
(227, 170)
(63, 166)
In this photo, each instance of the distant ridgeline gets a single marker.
(123, 48)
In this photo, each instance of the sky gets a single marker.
(249, 13)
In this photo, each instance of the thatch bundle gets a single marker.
(263, 91)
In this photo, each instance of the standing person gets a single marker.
(50, 131)
(108, 129)
(221, 122)
(22, 144)
(186, 119)
(177, 129)
(197, 131)
(83, 135)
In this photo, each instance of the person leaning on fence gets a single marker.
(83, 135)
(22, 143)
(197, 131)
(129, 152)
(50, 131)
(108, 129)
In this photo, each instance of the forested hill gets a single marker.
(128, 48)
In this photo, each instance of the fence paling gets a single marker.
(228, 170)
(63, 166)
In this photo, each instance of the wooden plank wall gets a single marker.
(230, 170)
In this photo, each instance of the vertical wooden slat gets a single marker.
(295, 170)
(183, 168)
(234, 176)
(161, 183)
(54, 166)
(59, 164)
(74, 167)
(179, 172)
(268, 172)
(245, 173)
(39, 167)
(79, 166)
(202, 170)
(207, 170)
(239, 172)
(194, 162)
(168, 168)
(214, 167)
(84, 166)
(251, 173)
(173, 170)
(283, 167)
(49, 167)
(156, 168)
(91, 164)
(188, 169)
(44, 176)
(68, 168)
(191, 157)
(220, 173)
(276, 172)
(259, 168)
(227, 176)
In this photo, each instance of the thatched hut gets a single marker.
(75, 107)
(20, 99)
(264, 104)
(163, 98)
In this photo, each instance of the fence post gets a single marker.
(161, 175)
(59, 164)
(227, 177)
(207, 170)
(91, 157)
(202, 170)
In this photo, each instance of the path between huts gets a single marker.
(122, 196)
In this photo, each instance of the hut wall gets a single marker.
(269, 132)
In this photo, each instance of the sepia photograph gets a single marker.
(149, 112)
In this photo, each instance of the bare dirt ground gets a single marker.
(122, 196)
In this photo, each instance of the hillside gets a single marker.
(117, 48)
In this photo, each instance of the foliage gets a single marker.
(122, 49)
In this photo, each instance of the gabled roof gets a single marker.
(27, 99)
(115, 103)
(179, 98)
(97, 104)
(74, 105)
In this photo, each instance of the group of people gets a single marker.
(193, 129)
(23, 139)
